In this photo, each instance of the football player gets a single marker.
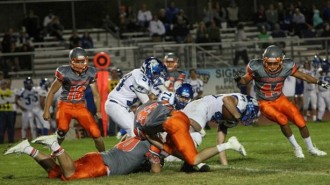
(175, 77)
(324, 94)
(310, 91)
(124, 158)
(28, 100)
(269, 74)
(153, 118)
(74, 79)
(227, 110)
(134, 86)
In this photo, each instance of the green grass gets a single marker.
(270, 160)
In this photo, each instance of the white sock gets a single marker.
(55, 146)
(309, 143)
(293, 141)
(314, 118)
(223, 147)
(29, 150)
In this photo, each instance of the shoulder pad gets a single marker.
(61, 71)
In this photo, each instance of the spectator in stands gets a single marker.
(221, 14)
(48, 18)
(130, 18)
(162, 17)
(156, 29)
(317, 19)
(281, 13)
(241, 47)
(8, 44)
(279, 33)
(144, 17)
(171, 12)
(271, 16)
(260, 16)
(299, 22)
(264, 36)
(232, 11)
(214, 33)
(24, 38)
(326, 11)
(122, 18)
(74, 40)
(87, 41)
(32, 25)
(180, 31)
(209, 14)
(287, 21)
(201, 33)
(55, 28)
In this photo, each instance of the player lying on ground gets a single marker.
(126, 157)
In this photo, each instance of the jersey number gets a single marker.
(269, 90)
(76, 92)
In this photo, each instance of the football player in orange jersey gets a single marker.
(269, 74)
(74, 79)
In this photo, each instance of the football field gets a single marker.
(270, 160)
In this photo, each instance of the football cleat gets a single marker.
(299, 153)
(236, 145)
(202, 167)
(187, 168)
(46, 140)
(19, 148)
(317, 152)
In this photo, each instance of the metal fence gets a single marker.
(209, 55)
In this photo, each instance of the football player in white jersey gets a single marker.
(228, 110)
(133, 86)
(28, 100)
(310, 91)
(324, 94)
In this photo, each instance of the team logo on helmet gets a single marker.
(154, 70)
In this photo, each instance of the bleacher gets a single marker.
(133, 48)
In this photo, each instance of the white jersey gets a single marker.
(197, 85)
(289, 86)
(309, 87)
(125, 91)
(167, 96)
(210, 108)
(28, 98)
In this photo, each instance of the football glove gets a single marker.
(323, 84)
(238, 75)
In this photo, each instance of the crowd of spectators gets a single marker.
(274, 20)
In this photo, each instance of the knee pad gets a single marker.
(60, 134)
